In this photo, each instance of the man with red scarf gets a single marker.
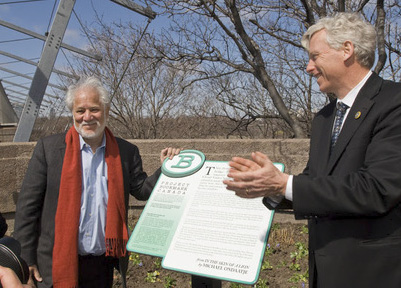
(71, 216)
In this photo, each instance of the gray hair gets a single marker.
(347, 27)
(83, 83)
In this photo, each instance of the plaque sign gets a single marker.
(198, 226)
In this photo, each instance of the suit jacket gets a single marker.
(352, 198)
(38, 199)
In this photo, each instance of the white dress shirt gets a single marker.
(92, 222)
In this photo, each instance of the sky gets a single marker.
(37, 16)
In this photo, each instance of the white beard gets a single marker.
(90, 134)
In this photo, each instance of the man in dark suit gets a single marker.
(350, 190)
(71, 215)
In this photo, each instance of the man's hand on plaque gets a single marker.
(255, 178)
(169, 152)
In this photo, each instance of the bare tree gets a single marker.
(147, 98)
(235, 60)
(262, 40)
(144, 91)
(392, 41)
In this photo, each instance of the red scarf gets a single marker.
(65, 250)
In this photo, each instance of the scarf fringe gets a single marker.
(116, 247)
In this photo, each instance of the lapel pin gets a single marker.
(358, 114)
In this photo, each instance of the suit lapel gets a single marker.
(356, 116)
(323, 144)
(59, 149)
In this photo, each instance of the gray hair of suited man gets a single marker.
(344, 27)
(92, 82)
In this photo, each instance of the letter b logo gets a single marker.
(183, 164)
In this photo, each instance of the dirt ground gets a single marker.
(284, 264)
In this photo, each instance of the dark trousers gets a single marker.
(96, 271)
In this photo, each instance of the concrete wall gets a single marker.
(14, 158)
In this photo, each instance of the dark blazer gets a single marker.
(37, 201)
(352, 198)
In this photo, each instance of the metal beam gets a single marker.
(44, 38)
(27, 88)
(22, 104)
(148, 12)
(43, 71)
(22, 94)
(13, 98)
(31, 78)
(76, 77)
(19, 104)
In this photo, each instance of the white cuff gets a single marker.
(288, 189)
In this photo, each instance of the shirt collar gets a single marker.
(349, 99)
(83, 144)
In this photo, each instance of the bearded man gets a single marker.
(71, 215)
